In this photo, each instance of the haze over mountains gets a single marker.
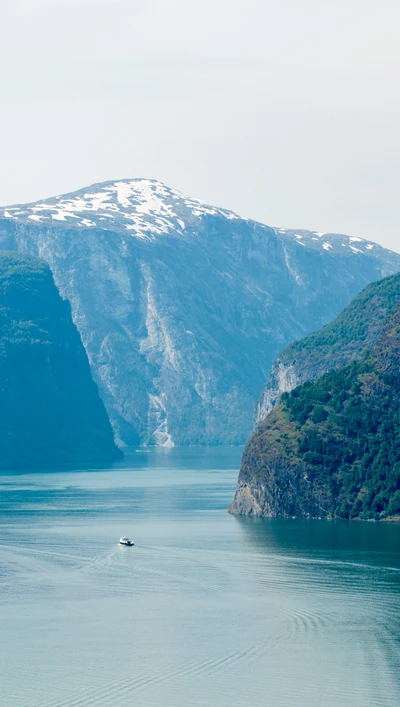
(183, 307)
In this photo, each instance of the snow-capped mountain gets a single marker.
(182, 306)
(144, 207)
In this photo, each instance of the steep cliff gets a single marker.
(50, 408)
(183, 307)
(343, 340)
(331, 448)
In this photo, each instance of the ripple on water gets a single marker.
(207, 611)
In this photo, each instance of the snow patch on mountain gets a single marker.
(148, 209)
(325, 241)
(144, 207)
(182, 306)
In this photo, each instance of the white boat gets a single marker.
(126, 541)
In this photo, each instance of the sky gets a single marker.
(285, 111)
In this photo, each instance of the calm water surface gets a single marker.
(207, 609)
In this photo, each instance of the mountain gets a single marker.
(50, 408)
(343, 340)
(331, 448)
(182, 307)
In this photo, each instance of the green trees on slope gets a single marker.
(348, 426)
(50, 409)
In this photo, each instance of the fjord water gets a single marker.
(207, 609)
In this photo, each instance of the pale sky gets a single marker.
(286, 111)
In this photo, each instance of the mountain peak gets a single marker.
(184, 306)
(145, 207)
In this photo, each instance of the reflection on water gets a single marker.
(207, 609)
(339, 541)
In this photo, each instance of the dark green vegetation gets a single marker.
(356, 327)
(331, 448)
(349, 438)
(50, 409)
(343, 340)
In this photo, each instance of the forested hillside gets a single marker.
(343, 340)
(50, 409)
(331, 448)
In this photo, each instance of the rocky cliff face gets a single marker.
(182, 307)
(343, 340)
(270, 485)
(50, 408)
(331, 448)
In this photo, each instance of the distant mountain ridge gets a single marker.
(182, 307)
(331, 448)
(50, 408)
(147, 208)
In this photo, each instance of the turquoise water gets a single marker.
(207, 609)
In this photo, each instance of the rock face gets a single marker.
(50, 408)
(343, 340)
(331, 448)
(182, 307)
(273, 481)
